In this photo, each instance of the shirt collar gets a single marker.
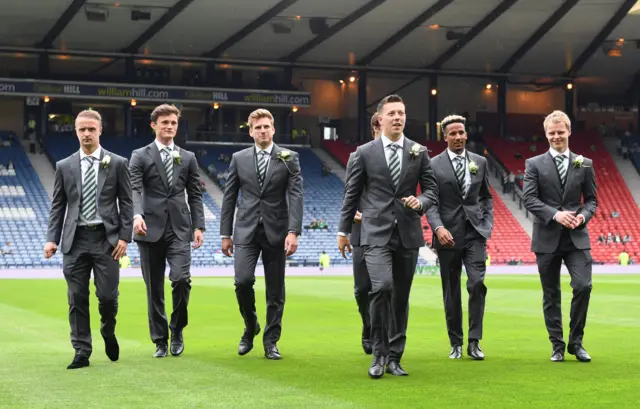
(555, 153)
(386, 141)
(162, 146)
(453, 155)
(268, 149)
(96, 154)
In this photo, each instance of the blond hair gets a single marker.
(164, 110)
(557, 117)
(452, 119)
(259, 114)
(90, 114)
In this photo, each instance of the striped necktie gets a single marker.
(89, 190)
(394, 164)
(562, 170)
(168, 165)
(261, 167)
(460, 174)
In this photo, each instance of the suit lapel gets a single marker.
(273, 162)
(155, 154)
(570, 174)
(177, 167)
(382, 159)
(449, 171)
(102, 173)
(406, 149)
(252, 157)
(76, 170)
(551, 171)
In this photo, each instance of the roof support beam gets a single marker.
(249, 28)
(600, 37)
(331, 31)
(404, 31)
(62, 22)
(538, 35)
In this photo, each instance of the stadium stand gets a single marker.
(508, 238)
(613, 193)
(24, 211)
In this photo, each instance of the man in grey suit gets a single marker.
(361, 281)
(268, 222)
(462, 224)
(164, 225)
(560, 191)
(92, 186)
(391, 230)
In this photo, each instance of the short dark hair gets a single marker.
(374, 122)
(387, 100)
(164, 110)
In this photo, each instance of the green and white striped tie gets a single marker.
(89, 191)
(168, 165)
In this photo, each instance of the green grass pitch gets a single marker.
(323, 365)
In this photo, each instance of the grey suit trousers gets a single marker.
(91, 251)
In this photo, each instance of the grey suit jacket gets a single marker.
(543, 196)
(115, 208)
(279, 204)
(154, 200)
(454, 210)
(357, 227)
(370, 187)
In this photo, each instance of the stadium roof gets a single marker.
(598, 40)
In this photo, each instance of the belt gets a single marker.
(92, 226)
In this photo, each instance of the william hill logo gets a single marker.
(219, 96)
(71, 89)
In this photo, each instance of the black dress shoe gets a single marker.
(161, 350)
(376, 370)
(557, 355)
(272, 353)
(366, 346)
(111, 348)
(456, 352)
(580, 353)
(177, 344)
(246, 342)
(474, 351)
(395, 369)
(79, 361)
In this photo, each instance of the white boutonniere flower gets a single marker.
(284, 156)
(415, 151)
(578, 162)
(473, 167)
(176, 157)
(105, 161)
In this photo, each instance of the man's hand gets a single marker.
(343, 243)
(567, 219)
(227, 247)
(444, 237)
(50, 249)
(291, 243)
(139, 226)
(411, 202)
(581, 220)
(358, 217)
(119, 250)
(198, 238)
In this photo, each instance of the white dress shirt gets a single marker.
(554, 153)
(467, 173)
(84, 167)
(387, 151)
(268, 149)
